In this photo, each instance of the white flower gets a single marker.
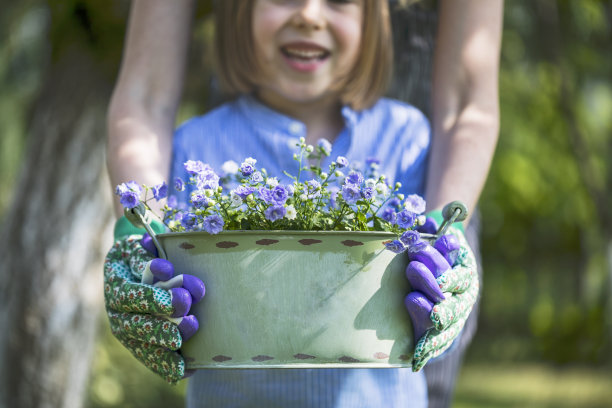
(303, 197)
(230, 167)
(382, 189)
(272, 182)
(250, 161)
(370, 182)
(291, 213)
(236, 200)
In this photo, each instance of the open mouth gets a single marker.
(305, 54)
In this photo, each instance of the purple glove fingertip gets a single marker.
(428, 255)
(181, 301)
(188, 326)
(195, 286)
(448, 245)
(421, 279)
(147, 243)
(419, 308)
(430, 226)
(162, 269)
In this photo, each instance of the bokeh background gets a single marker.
(545, 325)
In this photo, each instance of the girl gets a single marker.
(313, 69)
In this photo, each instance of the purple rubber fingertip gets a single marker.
(419, 308)
(430, 226)
(195, 286)
(448, 245)
(422, 279)
(188, 326)
(147, 243)
(428, 255)
(162, 269)
(181, 301)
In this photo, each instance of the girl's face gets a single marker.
(305, 47)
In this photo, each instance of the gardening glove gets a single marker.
(445, 282)
(147, 305)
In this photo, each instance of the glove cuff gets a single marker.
(437, 215)
(123, 228)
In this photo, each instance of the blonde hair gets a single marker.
(238, 68)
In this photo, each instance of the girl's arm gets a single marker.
(142, 110)
(465, 100)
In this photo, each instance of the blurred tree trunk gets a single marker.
(57, 228)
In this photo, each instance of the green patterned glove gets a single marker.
(446, 286)
(147, 305)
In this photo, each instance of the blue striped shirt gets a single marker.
(393, 132)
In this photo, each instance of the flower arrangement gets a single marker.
(247, 198)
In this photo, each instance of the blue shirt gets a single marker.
(396, 134)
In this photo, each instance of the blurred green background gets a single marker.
(545, 326)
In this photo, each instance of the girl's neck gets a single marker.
(322, 117)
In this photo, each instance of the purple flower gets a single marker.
(179, 184)
(266, 195)
(354, 177)
(279, 194)
(406, 219)
(213, 224)
(195, 167)
(395, 246)
(367, 193)
(275, 212)
(129, 199)
(325, 146)
(129, 194)
(160, 191)
(189, 220)
(415, 203)
(333, 196)
(313, 188)
(388, 214)
(247, 168)
(410, 237)
(342, 161)
(207, 179)
(350, 193)
(244, 191)
(199, 199)
(372, 161)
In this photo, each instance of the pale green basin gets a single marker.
(292, 299)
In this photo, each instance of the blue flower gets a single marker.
(179, 184)
(351, 193)
(207, 179)
(388, 214)
(279, 194)
(213, 224)
(415, 203)
(342, 161)
(410, 237)
(247, 167)
(325, 146)
(129, 199)
(244, 191)
(189, 221)
(313, 188)
(275, 212)
(354, 177)
(367, 193)
(199, 199)
(172, 202)
(160, 191)
(395, 246)
(406, 219)
(265, 195)
(394, 202)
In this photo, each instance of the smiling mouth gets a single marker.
(305, 54)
